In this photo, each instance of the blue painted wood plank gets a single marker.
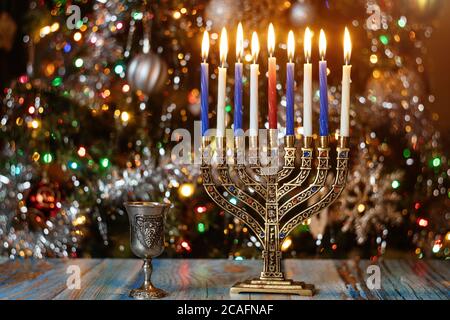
(108, 279)
(212, 279)
(37, 279)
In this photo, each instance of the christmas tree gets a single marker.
(88, 125)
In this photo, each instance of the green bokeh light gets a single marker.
(137, 15)
(57, 82)
(104, 162)
(436, 162)
(406, 153)
(201, 227)
(47, 157)
(395, 184)
(384, 39)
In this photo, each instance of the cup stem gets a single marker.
(148, 269)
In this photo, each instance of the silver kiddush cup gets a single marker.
(147, 241)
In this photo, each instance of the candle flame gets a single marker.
(223, 46)
(291, 45)
(322, 44)
(347, 46)
(307, 44)
(239, 42)
(255, 46)
(271, 39)
(205, 45)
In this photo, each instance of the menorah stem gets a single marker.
(272, 269)
(272, 250)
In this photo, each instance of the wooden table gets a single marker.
(211, 279)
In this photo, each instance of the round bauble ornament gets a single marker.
(301, 13)
(147, 72)
(45, 197)
(43, 203)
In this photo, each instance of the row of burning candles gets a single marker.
(272, 94)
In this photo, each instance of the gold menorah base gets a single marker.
(274, 286)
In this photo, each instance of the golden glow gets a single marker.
(271, 39)
(239, 42)
(373, 59)
(255, 47)
(307, 44)
(79, 221)
(54, 27)
(186, 190)
(125, 116)
(347, 46)
(291, 46)
(361, 208)
(205, 46)
(223, 46)
(322, 44)
(422, 4)
(286, 244)
(35, 124)
(176, 15)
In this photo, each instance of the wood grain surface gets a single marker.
(211, 279)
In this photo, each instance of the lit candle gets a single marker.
(290, 85)
(204, 83)
(238, 80)
(272, 92)
(346, 69)
(307, 86)
(323, 119)
(254, 72)
(221, 88)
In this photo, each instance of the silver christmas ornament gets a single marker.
(147, 72)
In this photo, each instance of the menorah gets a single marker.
(272, 199)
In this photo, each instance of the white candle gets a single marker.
(222, 84)
(307, 87)
(254, 72)
(345, 103)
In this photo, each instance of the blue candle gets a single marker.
(237, 97)
(323, 119)
(204, 97)
(204, 75)
(290, 86)
(238, 80)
